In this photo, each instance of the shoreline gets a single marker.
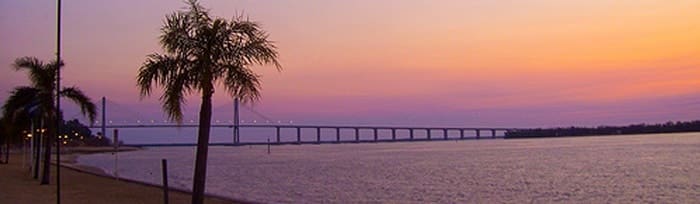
(70, 161)
(82, 185)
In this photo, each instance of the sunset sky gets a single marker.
(526, 63)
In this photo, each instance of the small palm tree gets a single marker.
(41, 96)
(199, 52)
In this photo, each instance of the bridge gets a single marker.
(397, 133)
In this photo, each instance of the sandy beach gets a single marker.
(81, 184)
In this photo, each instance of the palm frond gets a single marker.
(251, 44)
(176, 33)
(242, 83)
(157, 68)
(200, 50)
(20, 100)
(87, 108)
(174, 96)
(41, 75)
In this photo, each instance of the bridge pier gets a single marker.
(461, 133)
(444, 133)
(298, 135)
(318, 135)
(375, 134)
(337, 134)
(493, 133)
(429, 133)
(478, 133)
(411, 133)
(278, 134)
(393, 134)
(357, 135)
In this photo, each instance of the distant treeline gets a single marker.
(669, 127)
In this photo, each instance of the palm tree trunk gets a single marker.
(37, 150)
(48, 141)
(1, 150)
(7, 151)
(200, 167)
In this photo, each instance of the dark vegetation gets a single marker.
(31, 110)
(74, 133)
(669, 127)
(200, 51)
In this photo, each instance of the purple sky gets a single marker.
(458, 63)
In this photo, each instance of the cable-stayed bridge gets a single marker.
(301, 134)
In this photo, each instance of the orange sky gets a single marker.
(451, 62)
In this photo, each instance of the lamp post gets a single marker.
(58, 101)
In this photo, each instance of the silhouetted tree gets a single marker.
(199, 51)
(669, 127)
(76, 134)
(41, 96)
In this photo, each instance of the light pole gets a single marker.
(58, 101)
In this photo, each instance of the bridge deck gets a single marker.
(429, 131)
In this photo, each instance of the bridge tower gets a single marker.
(104, 117)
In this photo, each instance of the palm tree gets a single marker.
(4, 141)
(20, 111)
(199, 52)
(41, 96)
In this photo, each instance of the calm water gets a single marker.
(641, 168)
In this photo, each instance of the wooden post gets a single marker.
(236, 122)
(375, 134)
(104, 117)
(116, 155)
(268, 145)
(164, 166)
(278, 134)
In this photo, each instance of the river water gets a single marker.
(628, 169)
